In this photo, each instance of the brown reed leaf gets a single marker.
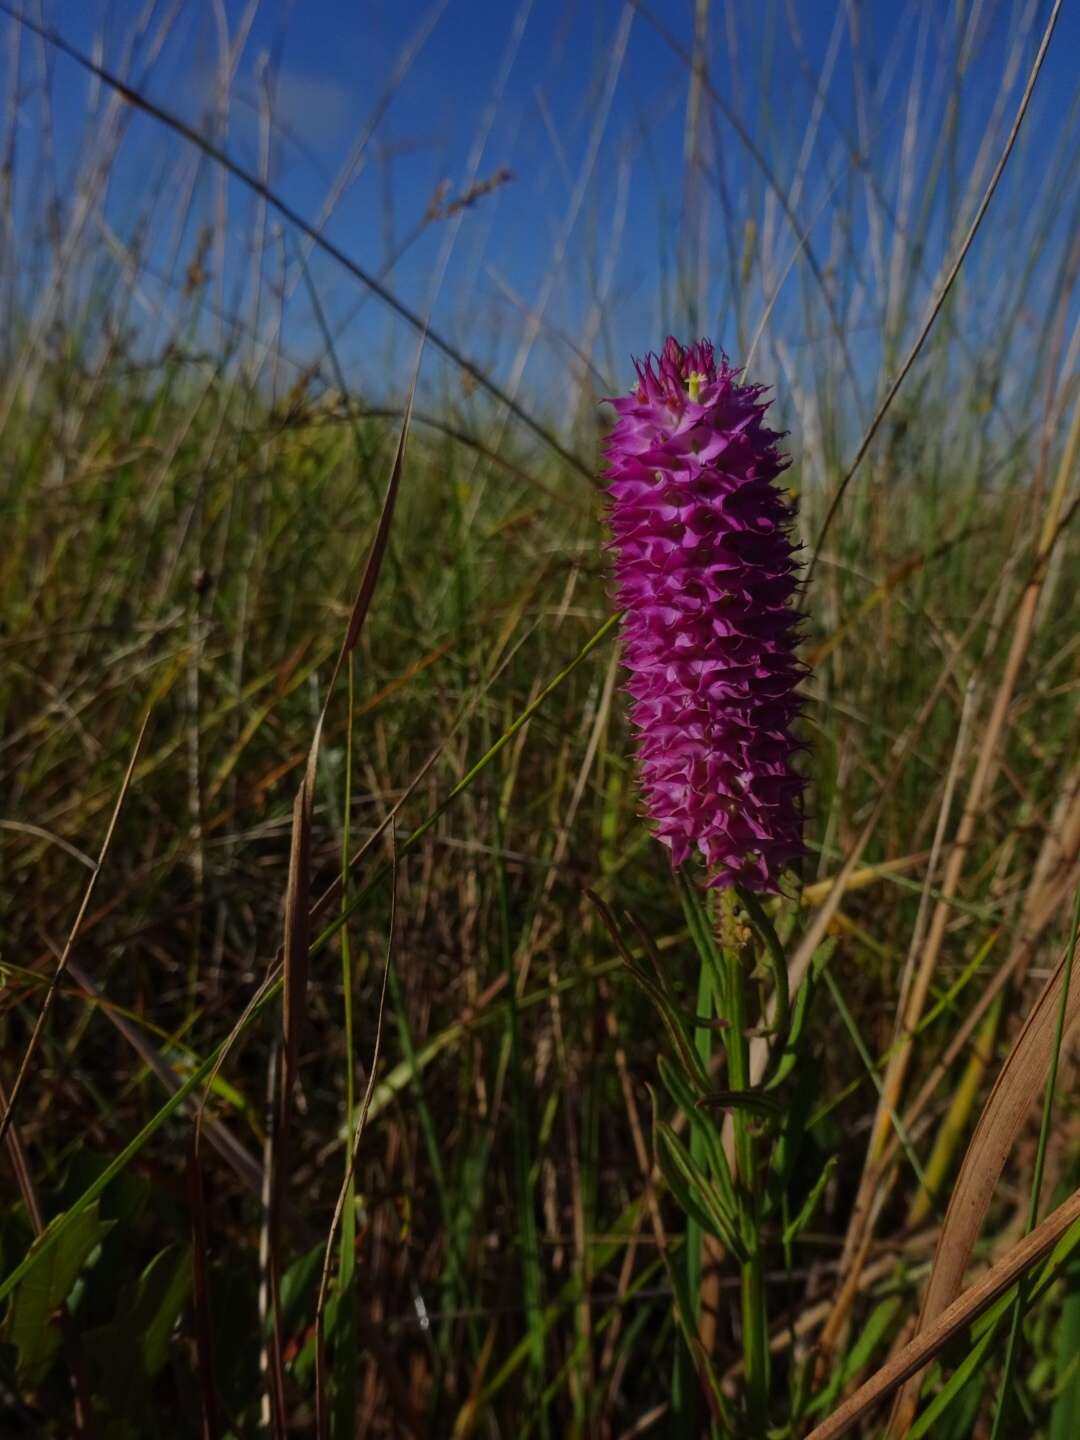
(928, 1342)
(1020, 1081)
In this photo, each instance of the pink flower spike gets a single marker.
(706, 572)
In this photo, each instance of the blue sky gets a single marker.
(597, 202)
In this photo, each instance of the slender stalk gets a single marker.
(344, 1375)
(685, 1382)
(738, 957)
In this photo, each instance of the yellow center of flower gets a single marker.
(694, 382)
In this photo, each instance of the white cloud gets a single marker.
(315, 108)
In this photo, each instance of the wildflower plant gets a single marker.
(706, 572)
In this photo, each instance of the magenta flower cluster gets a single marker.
(706, 573)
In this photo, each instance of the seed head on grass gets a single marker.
(705, 572)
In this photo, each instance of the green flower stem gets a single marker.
(738, 959)
(687, 1387)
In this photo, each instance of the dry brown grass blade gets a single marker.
(810, 896)
(362, 603)
(919, 1351)
(298, 893)
(1020, 1081)
(468, 1417)
(21, 1171)
(73, 934)
(297, 923)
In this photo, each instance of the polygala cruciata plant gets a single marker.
(705, 575)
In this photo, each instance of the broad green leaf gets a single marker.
(298, 1286)
(134, 1347)
(1065, 1416)
(46, 1283)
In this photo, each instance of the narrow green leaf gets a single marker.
(872, 1334)
(971, 1365)
(754, 1100)
(693, 1190)
(672, 1022)
(870, 1337)
(702, 1124)
(783, 1059)
(774, 953)
(795, 1227)
(686, 1313)
(701, 932)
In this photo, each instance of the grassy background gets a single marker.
(185, 527)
